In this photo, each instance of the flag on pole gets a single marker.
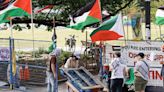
(111, 29)
(87, 15)
(160, 16)
(13, 61)
(14, 9)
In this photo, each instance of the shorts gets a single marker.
(140, 83)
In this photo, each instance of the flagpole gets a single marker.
(32, 29)
(86, 35)
(11, 52)
(54, 40)
(54, 36)
(11, 32)
(101, 51)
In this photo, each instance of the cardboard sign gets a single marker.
(4, 54)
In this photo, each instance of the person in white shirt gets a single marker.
(118, 73)
(141, 72)
(73, 61)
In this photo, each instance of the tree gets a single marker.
(63, 8)
(154, 6)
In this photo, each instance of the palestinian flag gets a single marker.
(160, 16)
(111, 29)
(86, 16)
(14, 8)
(42, 9)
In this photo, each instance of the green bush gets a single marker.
(41, 50)
(62, 58)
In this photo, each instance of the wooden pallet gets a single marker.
(83, 81)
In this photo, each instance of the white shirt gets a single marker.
(71, 63)
(117, 68)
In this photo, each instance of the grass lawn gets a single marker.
(41, 34)
(62, 33)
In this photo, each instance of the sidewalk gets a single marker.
(62, 88)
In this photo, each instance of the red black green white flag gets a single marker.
(111, 29)
(160, 16)
(90, 14)
(14, 8)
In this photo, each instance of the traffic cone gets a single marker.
(21, 74)
(26, 73)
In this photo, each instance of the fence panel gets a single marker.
(24, 49)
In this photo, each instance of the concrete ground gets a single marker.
(62, 88)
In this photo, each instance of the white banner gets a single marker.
(151, 50)
(153, 55)
(4, 54)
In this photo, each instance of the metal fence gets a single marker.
(24, 49)
(26, 45)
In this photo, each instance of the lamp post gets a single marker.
(148, 19)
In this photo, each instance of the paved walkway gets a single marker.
(62, 88)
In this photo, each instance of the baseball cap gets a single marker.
(142, 55)
(77, 54)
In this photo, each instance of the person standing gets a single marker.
(51, 71)
(107, 75)
(118, 73)
(141, 72)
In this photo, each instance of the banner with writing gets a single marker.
(154, 54)
(4, 54)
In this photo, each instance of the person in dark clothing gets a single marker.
(51, 71)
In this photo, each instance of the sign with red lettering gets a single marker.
(155, 78)
(153, 55)
(4, 54)
(153, 48)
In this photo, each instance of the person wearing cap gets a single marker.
(73, 61)
(118, 69)
(141, 72)
(51, 70)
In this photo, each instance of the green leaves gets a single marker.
(63, 8)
